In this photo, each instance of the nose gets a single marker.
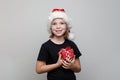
(58, 25)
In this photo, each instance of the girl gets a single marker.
(52, 56)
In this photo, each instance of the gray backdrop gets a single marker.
(23, 29)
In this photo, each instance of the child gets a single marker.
(59, 56)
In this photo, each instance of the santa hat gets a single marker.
(60, 13)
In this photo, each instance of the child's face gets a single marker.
(58, 27)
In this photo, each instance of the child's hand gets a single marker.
(59, 62)
(68, 63)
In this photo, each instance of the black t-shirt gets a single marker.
(49, 54)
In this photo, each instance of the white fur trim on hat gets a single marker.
(59, 14)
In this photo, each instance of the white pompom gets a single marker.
(71, 36)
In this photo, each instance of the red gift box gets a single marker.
(67, 52)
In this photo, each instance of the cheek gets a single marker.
(65, 28)
(52, 30)
(52, 27)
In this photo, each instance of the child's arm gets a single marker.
(41, 66)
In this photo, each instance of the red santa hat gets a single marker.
(60, 13)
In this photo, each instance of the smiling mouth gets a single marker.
(58, 31)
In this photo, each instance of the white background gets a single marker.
(23, 28)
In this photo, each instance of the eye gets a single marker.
(54, 23)
(62, 23)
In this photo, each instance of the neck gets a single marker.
(57, 40)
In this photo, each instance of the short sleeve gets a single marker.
(76, 50)
(43, 54)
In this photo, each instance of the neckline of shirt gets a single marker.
(56, 43)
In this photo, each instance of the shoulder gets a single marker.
(70, 42)
(46, 43)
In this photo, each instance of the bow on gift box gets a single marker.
(67, 52)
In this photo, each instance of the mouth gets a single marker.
(58, 31)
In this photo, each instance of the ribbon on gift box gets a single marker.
(67, 52)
